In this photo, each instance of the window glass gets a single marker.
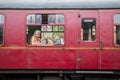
(117, 29)
(1, 19)
(117, 35)
(45, 19)
(45, 34)
(59, 19)
(51, 19)
(1, 28)
(30, 19)
(117, 19)
(1, 34)
(49, 28)
(61, 28)
(38, 19)
(42, 33)
(88, 30)
(55, 28)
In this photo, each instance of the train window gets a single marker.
(31, 19)
(117, 19)
(45, 19)
(1, 19)
(1, 28)
(88, 30)
(59, 19)
(51, 19)
(117, 29)
(38, 19)
(1, 34)
(42, 33)
(117, 35)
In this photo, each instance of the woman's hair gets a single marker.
(36, 32)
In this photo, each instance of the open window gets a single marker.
(117, 29)
(45, 29)
(1, 28)
(88, 30)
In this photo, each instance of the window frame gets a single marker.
(89, 18)
(115, 25)
(35, 24)
(3, 24)
(114, 40)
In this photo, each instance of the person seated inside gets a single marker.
(59, 40)
(48, 41)
(35, 39)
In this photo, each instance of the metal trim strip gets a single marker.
(60, 48)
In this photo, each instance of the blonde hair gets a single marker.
(36, 32)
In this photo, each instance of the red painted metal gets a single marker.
(91, 58)
(106, 27)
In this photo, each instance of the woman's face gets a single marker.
(37, 35)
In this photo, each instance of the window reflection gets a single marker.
(117, 19)
(45, 19)
(30, 19)
(51, 19)
(59, 19)
(1, 19)
(38, 19)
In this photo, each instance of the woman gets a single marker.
(35, 39)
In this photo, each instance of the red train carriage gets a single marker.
(56, 40)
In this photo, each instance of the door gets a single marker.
(88, 40)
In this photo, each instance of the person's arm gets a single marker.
(34, 42)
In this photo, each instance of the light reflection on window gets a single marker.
(31, 19)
